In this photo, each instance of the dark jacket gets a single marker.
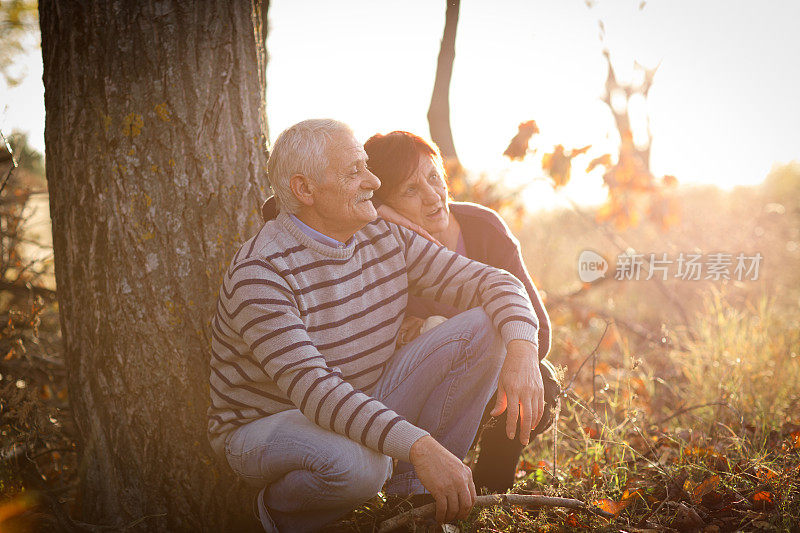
(488, 240)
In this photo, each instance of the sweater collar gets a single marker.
(309, 242)
(316, 235)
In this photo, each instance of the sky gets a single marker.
(723, 109)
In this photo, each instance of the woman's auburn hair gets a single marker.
(394, 157)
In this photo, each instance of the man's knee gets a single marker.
(357, 473)
(485, 339)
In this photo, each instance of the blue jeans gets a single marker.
(440, 382)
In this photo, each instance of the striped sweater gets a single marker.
(303, 325)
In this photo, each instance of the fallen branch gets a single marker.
(522, 500)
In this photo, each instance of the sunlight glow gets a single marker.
(723, 107)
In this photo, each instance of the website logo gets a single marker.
(591, 266)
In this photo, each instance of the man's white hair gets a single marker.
(301, 149)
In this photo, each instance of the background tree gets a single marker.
(154, 138)
(439, 110)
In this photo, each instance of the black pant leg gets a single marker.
(497, 462)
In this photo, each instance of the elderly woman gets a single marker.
(414, 194)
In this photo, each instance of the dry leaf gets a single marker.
(708, 484)
(518, 147)
(603, 160)
(763, 496)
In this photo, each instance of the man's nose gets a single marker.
(372, 181)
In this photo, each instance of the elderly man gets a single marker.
(310, 399)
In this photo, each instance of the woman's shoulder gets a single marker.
(480, 218)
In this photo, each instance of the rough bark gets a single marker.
(155, 134)
(439, 110)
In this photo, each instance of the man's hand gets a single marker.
(447, 478)
(387, 213)
(520, 389)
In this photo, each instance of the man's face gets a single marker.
(342, 199)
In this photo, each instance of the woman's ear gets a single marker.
(303, 189)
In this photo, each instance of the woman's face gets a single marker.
(422, 198)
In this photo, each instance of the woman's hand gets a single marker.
(409, 330)
(520, 389)
(389, 214)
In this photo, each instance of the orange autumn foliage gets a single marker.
(616, 507)
(518, 147)
(558, 164)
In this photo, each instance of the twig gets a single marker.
(636, 329)
(25, 268)
(556, 414)
(685, 410)
(594, 374)
(26, 289)
(142, 519)
(522, 500)
(52, 450)
(653, 511)
(566, 389)
(14, 163)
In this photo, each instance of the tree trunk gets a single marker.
(155, 135)
(439, 110)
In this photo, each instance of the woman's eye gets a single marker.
(411, 190)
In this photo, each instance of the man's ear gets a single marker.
(303, 189)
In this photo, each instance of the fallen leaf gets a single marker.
(573, 521)
(794, 439)
(614, 507)
(610, 506)
(591, 432)
(709, 484)
(765, 473)
(763, 496)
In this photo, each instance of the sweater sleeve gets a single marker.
(445, 276)
(260, 307)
